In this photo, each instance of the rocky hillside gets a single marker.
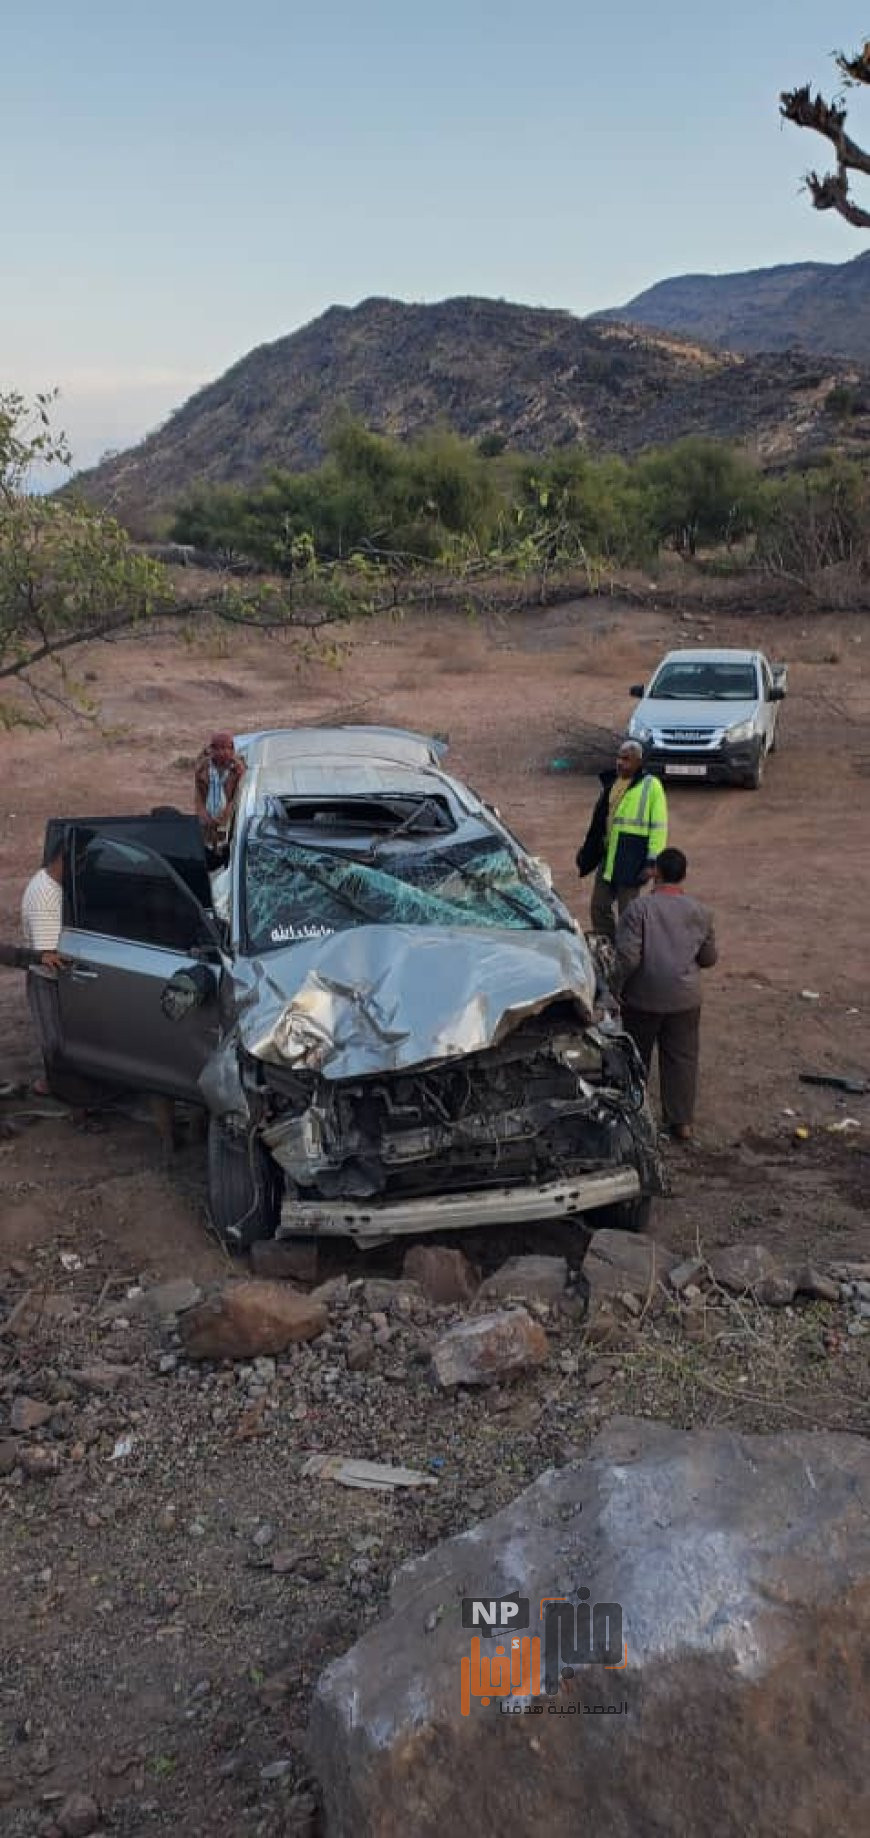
(817, 306)
(537, 378)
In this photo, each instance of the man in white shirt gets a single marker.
(41, 923)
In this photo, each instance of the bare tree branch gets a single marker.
(830, 192)
(123, 620)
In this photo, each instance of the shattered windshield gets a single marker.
(705, 682)
(293, 892)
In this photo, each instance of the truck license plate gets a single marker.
(686, 772)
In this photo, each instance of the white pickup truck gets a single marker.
(710, 715)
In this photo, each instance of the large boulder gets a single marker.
(246, 1320)
(742, 1567)
(621, 1263)
(443, 1273)
(526, 1279)
(489, 1348)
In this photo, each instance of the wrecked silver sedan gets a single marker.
(393, 1022)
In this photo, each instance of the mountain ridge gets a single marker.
(819, 307)
(536, 377)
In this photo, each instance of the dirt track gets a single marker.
(189, 1640)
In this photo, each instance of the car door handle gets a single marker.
(81, 975)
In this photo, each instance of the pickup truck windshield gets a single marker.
(293, 892)
(700, 681)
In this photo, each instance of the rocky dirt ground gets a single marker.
(171, 1584)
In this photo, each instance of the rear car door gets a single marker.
(132, 918)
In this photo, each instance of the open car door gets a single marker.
(136, 911)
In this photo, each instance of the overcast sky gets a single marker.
(189, 178)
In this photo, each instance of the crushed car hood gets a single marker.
(387, 998)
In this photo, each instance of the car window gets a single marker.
(697, 680)
(294, 892)
(121, 890)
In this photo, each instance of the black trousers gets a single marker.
(677, 1037)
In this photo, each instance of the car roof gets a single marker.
(713, 657)
(348, 761)
(399, 746)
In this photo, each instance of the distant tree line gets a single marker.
(441, 500)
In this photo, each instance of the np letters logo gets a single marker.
(495, 1614)
(577, 1632)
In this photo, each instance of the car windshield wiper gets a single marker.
(407, 823)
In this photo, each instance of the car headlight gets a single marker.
(742, 731)
(639, 731)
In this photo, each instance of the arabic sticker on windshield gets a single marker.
(294, 934)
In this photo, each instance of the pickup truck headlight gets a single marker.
(743, 731)
(639, 731)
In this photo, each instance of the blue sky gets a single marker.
(193, 178)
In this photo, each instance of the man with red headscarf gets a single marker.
(217, 777)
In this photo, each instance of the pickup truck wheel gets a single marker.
(752, 781)
(243, 1188)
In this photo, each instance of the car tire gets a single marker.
(752, 781)
(627, 1215)
(243, 1188)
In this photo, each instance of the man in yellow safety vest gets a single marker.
(629, 828)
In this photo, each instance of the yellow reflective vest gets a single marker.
(639, 833)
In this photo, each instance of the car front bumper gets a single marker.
(374, 1224)
(718, 766)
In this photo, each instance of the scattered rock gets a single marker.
(285, 1562)
(102, 1376)
(285, 1259)
(526, 1279)
(78, 1816)
(489, 1348)
(620, 1261)
(631, 1303)
(851, 1273)
(383, 1295)
(263, 1536)
(810, 1282)
(444, 1274)
(725, 1551)
(360, 1353)
(166, 1300)
(250, 1318)
(34, 1308)
(28, 1414)
(39, 1460)
(685, 1273)
(335, 1290)
(776, 1291)
(276, 1770)
(10, 1455)
(742, 1268)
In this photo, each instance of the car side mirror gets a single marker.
(636, 690)
(777, 693)
(187, 990)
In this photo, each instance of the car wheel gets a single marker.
(752, 781)
(627, 1215)
(243, 1188)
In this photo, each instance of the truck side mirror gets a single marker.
(636, 690)
(776, 693)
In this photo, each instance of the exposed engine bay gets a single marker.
(552, 1100)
